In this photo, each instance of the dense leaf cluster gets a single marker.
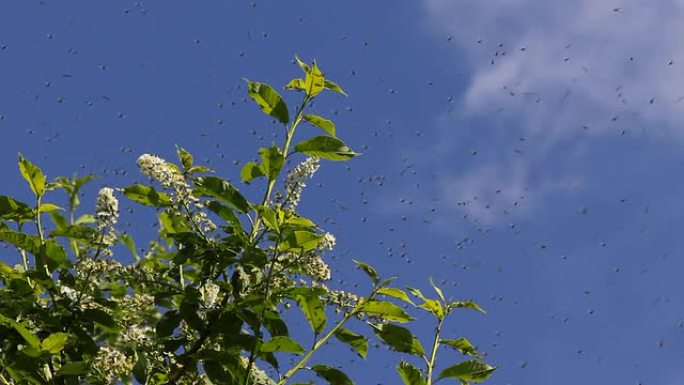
(205, 302)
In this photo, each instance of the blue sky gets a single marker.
(526, 153)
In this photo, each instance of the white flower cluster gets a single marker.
(309, 263)
(328, 242)
(137, 335)
(342, 299)
(158, 169)
(106, 215)
(106, 208)
(161, 171)
(110, 363)
(210, 292)
(294, 184)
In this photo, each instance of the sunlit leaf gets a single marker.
(357, 342)
(147, 196)
(385, 310)
(332, 375)
(282, 344)
(399, 339)
(268, 100)
(272, 162)
(472, 370)
(300, 240)
(325, 147)
(33, 175)
(410, 374)
(462, 345)
(395, 293)
(54, 343)
(368, 269)
(251, 171)
(314, 82)
(327, 125)
(14, 210)
(334, 87)
(222, 190)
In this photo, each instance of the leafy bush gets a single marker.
(206, 302)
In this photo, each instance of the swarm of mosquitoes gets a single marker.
(402, 201)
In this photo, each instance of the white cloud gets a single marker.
(557, 68)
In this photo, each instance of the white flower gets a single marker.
(136, 334)
(106, 208)
(163, 172)
(294, 184)
(156, 168)
(328, 242)
(210, 292)
(110, 363)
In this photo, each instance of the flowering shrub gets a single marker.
(206, 302)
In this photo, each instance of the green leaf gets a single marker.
(467, 305)
(472, 370)
(147, 196)
(399, 338)
(314, 82)
(434, 307)
(84, 219)
(368, 269)
(410, 374)
(385, 310)
(325, 147)
(305, 67)
(299, 222)
(74, 368)
(462, 345)
(226, 213)
(358, 342)
(30, 243)
(14, 210)
(313, 309)
(31, 339)
(323, 123)
(269, 217)
(332, 375)
(417, 293)
(296, 84)
(268, 100)
(77, 232)
(128, 241)
(185, 158)
(282, 344)
(395, 293)
(272, 162)
(33, 175)
(54, 343)
(334, 87)
(300, 240)
(251, 171)
(222, 190)
(55, 253)
(437, 290)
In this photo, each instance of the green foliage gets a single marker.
(207, 300)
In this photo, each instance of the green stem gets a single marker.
(285, 150)
(39, 226)
(317, 345)
(3, 380)
(24, 259)
(433, 357)
(300, 364)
